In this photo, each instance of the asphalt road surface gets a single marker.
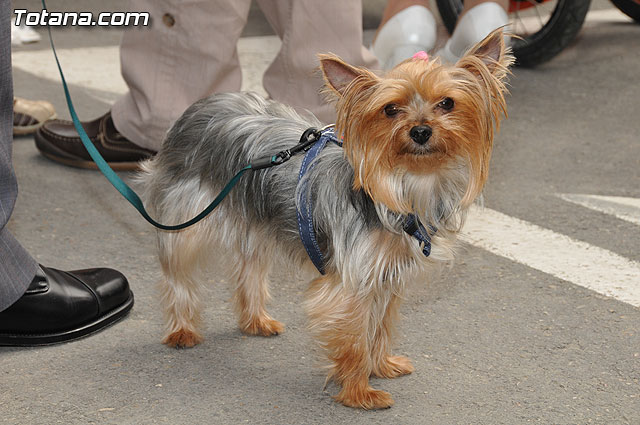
(537, 322)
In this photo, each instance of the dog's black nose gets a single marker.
(420, 134)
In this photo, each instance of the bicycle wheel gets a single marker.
(630, 8)
(545, 27)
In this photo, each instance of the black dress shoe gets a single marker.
(61, 306)
(59, 141)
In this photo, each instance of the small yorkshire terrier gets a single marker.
(415, 143)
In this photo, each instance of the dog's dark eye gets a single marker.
(391, 110)
(446, 104)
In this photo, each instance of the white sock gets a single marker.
(407, 32)
(474, 26)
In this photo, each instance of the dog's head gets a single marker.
(422, 118)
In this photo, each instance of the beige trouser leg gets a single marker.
(188, 52)
(309, 27)
(187, 56)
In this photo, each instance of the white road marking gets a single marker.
(619, 206)
(94, 68)
(98, 68)
(575, 261)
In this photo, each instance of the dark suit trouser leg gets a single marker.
(17, 267)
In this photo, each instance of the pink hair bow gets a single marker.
(421, 55)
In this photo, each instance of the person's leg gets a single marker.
(407, 27)
(187, 53)
(477, 20)
(470, 4)
(17, 267)
(40, 305)
(309, 27)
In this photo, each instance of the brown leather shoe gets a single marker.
(59, 141)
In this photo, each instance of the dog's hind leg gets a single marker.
(181, 255)
(251, 295)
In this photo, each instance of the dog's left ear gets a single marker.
(338, 75)
(492, 52)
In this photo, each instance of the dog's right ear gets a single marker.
(338, 75)
(493, 52)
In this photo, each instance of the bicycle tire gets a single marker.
(556, 34)
(631, 8)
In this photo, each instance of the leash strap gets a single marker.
(116, 181)
(113, 178)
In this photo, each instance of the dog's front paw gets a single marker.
(364, 398)
(394, 366)
(263, 326)
(182, 339)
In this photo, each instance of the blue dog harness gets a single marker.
(411, 225)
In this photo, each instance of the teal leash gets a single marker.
(126, 191)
